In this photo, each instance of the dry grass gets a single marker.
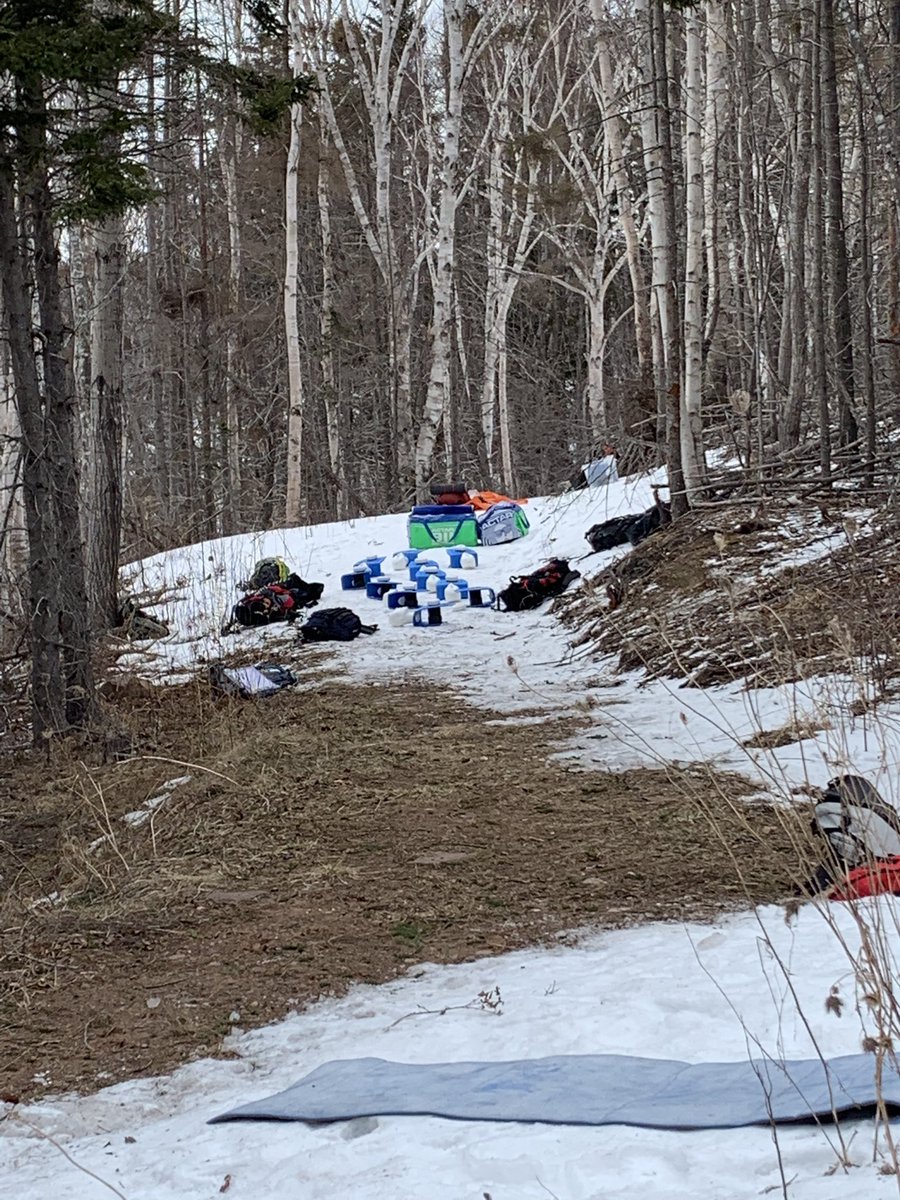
(700, 601)
(325, 836)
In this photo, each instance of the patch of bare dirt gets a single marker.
(324, 837)
(764, 595)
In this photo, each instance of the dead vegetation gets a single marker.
(766, 595)
(323, 836)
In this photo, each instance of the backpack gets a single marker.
(267, 571)
(529, 591)
(304, 594)
(633, 528)
(856, 822)
(277, 602)
(334, 625)
(607, 534)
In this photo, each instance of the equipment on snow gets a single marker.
(462, 558)
(856, 822)
(334, 625)
(277, 602)
(378, 585)
(502, 522)
(439, 525)
(267, 571)
(633, 528)
(481, 597)
(450, 493)
(530, 591)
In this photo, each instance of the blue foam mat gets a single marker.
(591, 1089)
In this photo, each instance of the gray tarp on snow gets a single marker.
(601, 1089)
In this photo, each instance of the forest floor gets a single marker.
(253, 857)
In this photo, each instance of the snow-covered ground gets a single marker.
(697, 993)
(515, 661)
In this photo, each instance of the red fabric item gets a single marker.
(871, 879)
(282, 596)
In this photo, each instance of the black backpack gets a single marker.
(530, 591)
(608, 534)
(633, 528)
(334, 625)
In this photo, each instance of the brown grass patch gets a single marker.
(325, 836)
(700, 602)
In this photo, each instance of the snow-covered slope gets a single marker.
(749, 983)
(512, 661)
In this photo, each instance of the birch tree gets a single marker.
(459, 53)
(657, 146)
(610, 100)
(380, 50)
(692, 456)
(293, 514)
(511, 179)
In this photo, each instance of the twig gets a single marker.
(53, 1142)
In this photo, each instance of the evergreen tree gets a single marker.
(56, 57)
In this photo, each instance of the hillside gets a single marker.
(619, 756)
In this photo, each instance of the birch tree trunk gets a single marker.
(692, 456)
(893, 230)
(716, 123)
(619, 174)
(797, 112)
(294, 508)
(848, 429)
(333, 421)
(493, 252)
(817, 244)
(381, 60)
(656, 136)
(13, 539)
(437, 397)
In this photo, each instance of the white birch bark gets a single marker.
(611, 105)
(13, 539)
(326, 327)
(381, 64)
(294, 508)
(661, 281)
(437, 395)
(691, 429)
(714, 131)
(505, 262)
(493, 249)
(585, 155)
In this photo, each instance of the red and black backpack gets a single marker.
(530, 591)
